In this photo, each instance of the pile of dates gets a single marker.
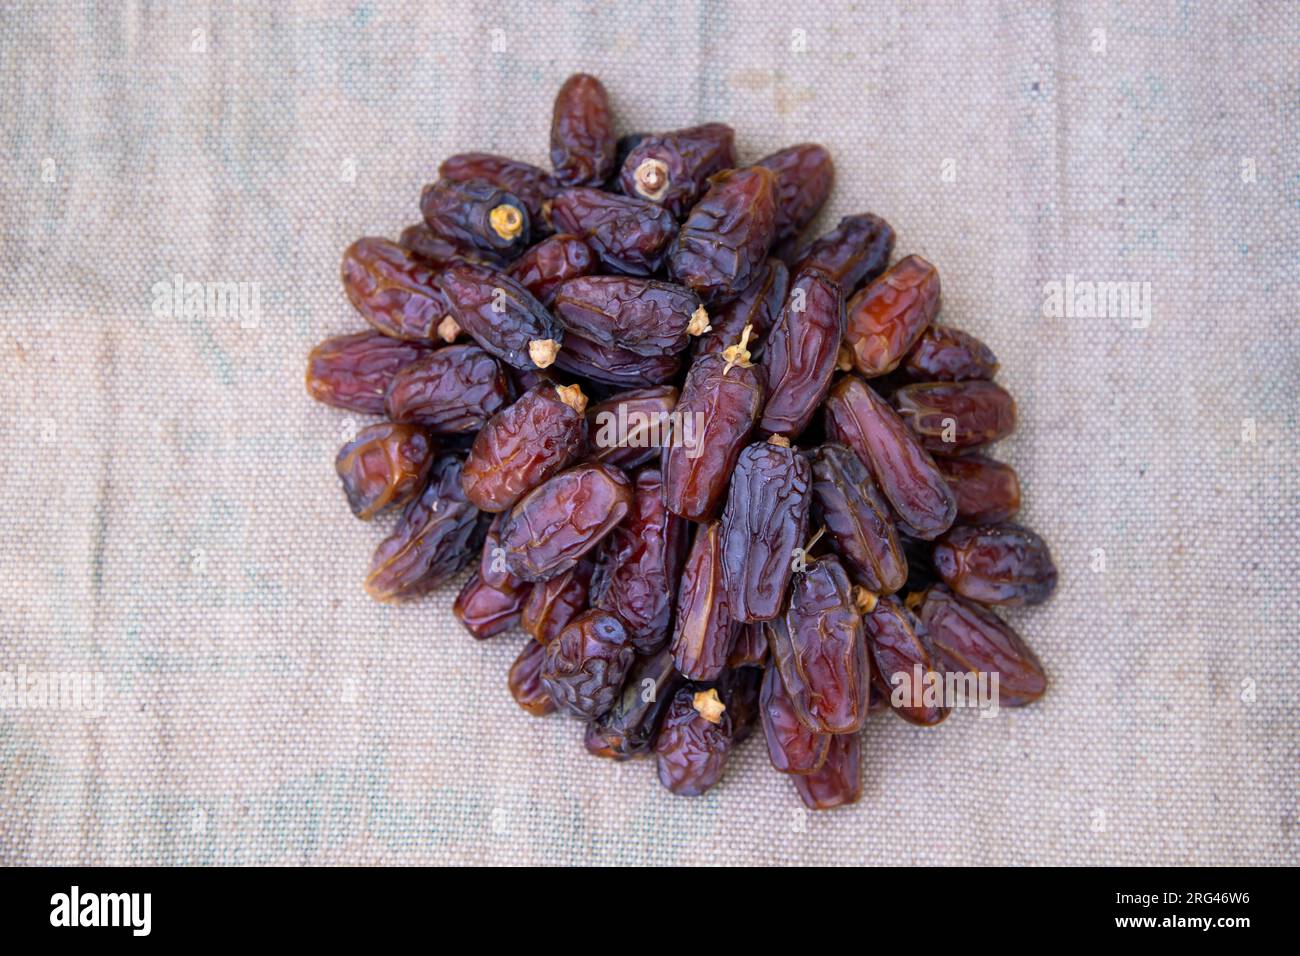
(725, 475)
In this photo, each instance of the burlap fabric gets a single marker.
(171, 521)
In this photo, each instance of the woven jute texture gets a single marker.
(170, 522)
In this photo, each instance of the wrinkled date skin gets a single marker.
(846, 502)
(756, 308)
(988, 491)
(523, 445)
(791, 747)
(354, 371)
(971, 639)
(551, 263)
(437, 535)
(640, 564)
(629, 727)
(671, 169)
(486, 611)
(582, 133)
(393, 290)
(691, 751)
(502, 316)
(904, 471)
(477, 214)
(453, 391)
(586, 664)
(625, 312)
(764, 522)
(750, 647)
(558, 522)
(530, 184)
(854, 252)
(614, 366)
(954, 417)
(525, 681)
(716, 414)
(704, 632)
(553, 603)
(724, 241)
(630, 236)
(801, 353)
(384, 467)
(804, 177)
(839, 781)
(820, 649)
(438, 253)
(887, 317)
(996, 564)
(626, 429)
(945, 354)
(899, 643)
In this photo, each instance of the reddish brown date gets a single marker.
(485, 610)
(671, 169)
(629, 236)
(629, 727)
(846, 502)
(615, 366)
(970, 639)
(804, 177)
(901, 657)
(530, 184)
(791, 747)
(854, 252)
(640, 564)
(945, 354)
(627, 429)
(801, 353)
(437, 535)
(553, 603)
(552, 262)
(694, 742)
(354, 371)
(524, 444)
(636, 315)
(453, 391)
(724, 241)
(384, 467)
(839, 781)
(996, 564)
(585, 665)
(502, 316)
(525, 681)
(988, 491)
(582, 133)
(704, 631)
(558, 522)
(904, 471)
(764, 526)
(393, 290)
(438, 253)
(477, 214)
(756, 309)
(887, 317)
(820, 649)
(954, 417)
(750, 647)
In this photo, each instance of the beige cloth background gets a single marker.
(171, 519)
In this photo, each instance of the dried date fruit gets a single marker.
(629, 727)
(839, 780)
(671, 169)
(724, 241)
(954, 417)
(764, 526)
(739, 689)
(904, 471)
(630, 236)
(902, 656)
(553, 603)
(804, 177)
(704, 631)
(530, 184)
(502, 316)
(437, 535)
(996, 564)
(559, 521)
(485, 610)
(694, 742)
(717, 411)
(354, 371)
(525, 681)
(615, 366)
(455, 390)
(887, 317)
(945, 354)
(478, 214)
(755, 309)
(801, 352)
(987, 491)
(750, 646)
(393, 290)
(637, 315)
(552, 262)
(586, 664)
(524, 444)
(639, 566)
(628, 429)
(846, 502)
(438, 253)
(854, 252)
(791, 747)
(970, 639)
(384, 467)
(582, 133)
